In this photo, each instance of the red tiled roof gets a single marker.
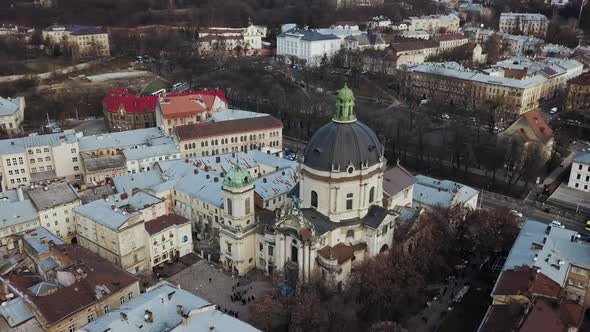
(159, 224)
(539, 126)
(129, 101)
(451, 36)
(583, 79)
(175, 105)
(208, 129)
(572, 314)
(341, 251)
(82, 293)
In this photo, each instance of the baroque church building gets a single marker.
(334, 221)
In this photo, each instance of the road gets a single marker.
(492, 200)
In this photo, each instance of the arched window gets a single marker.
(229, 207)
(248, 205)
(314, 199)
(350, 234)
(372, 195)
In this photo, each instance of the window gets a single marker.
(261, 246)
(184, 238)
(122, 300)
(350, 234)
(73, 150)
(578, 176)
(75, 159)
(32, 160)
(372, 195)
(72, 328)
(90, 318)
(228, 247)
(314, 199)
(247, 205)
(130, 295)
(105, 309)
(229, 207)
(349, 201)
(46, 150)
(270, 250)
(76, 168)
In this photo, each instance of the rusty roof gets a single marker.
(209, 129)
(341, 251)
(99, 278)
(159, 224)
(527, 282)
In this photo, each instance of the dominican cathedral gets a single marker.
(335, 218)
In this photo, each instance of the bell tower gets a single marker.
(237, 234)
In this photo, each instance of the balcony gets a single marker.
(328, 263)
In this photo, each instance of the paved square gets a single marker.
(195, 279)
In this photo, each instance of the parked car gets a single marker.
(556, 223)
(516, 213)
(553, 110)
(445, 116)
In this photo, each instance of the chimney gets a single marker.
(196, 171)
(179, 310)
(208, 176)
(19, 192)
(218, 159)
(211, 328)
(134, 191)
(123, 316)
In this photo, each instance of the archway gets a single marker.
(384, 248)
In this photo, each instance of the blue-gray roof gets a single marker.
(163, 303)
(47, 264)
(582, 157)
(309, 35)
(120, 140)
(13, 213)
(431, 192)
(552, 256)
(9, 106)
(142, 180)
(276, 183)
(151, 151)
(101, 211)
(16, 145)
(15, 311)
(39, 237)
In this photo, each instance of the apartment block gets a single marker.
(524, 24)
(12, 113)
(82, 41)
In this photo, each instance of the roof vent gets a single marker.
(196, 171)
(264, 180)
(218, 159)
(207, 176)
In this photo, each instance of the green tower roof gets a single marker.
(237, 177)
(344, 106)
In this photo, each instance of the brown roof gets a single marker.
(220, 37)
(159, 224)
(526, 282)
(451, 36)
(413, 45)
(186, 105)
(531, 127)
(550, 316)
(208, 129)
(341, 251)
(84, 292)
(397, 179)
(583, 79)
(502, 318)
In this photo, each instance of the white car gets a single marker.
(556, 223)
(516, 213)
(553, 110)
(445, 116)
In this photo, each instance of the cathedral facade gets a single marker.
(334, 221)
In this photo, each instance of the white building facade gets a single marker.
(307, 45)
(580, 173)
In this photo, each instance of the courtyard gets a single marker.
(208, 281)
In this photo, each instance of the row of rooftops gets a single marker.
(550, 69)
(524, 16)
(202, 177)
(172, 104)
(76, 29)
(81, 277)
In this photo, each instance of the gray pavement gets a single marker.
(195, 279)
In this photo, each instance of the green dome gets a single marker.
(237, 177)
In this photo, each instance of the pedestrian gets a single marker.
(243, 302)
(253, 297)
(248, 300)
(236, 314)
(238, 284)
(225, 310)
(209, 279)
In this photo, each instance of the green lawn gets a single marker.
(468, 314)
(153, 86)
